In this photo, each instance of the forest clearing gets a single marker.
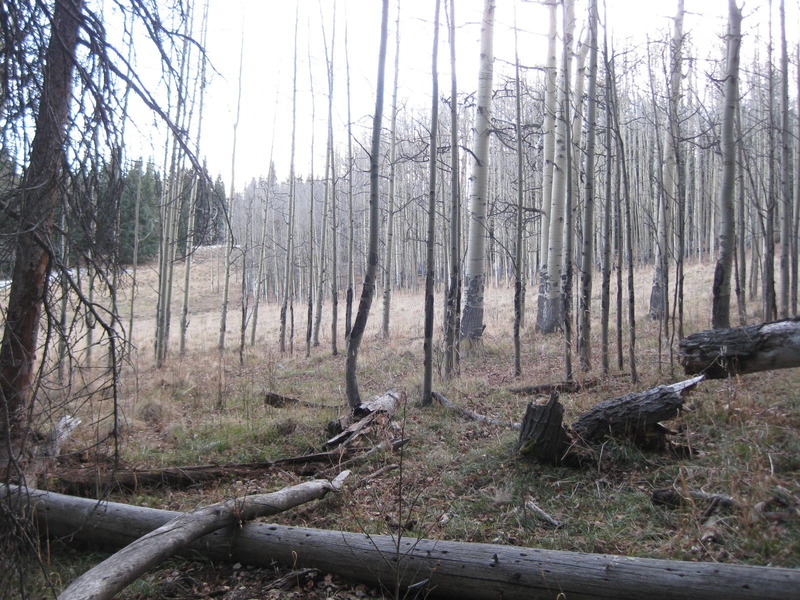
(455, 478)
(530, 335)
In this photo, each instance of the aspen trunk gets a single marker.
(721, 292)
(472, 320)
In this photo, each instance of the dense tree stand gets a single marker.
(719, 353)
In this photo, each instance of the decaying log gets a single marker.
(635, 416)
(718, 353)
(88, 481)
(470, 414)
(542, 436)
(278, 401)
(439, 568)
(562, 387)
(674, 498)
(118, 571)
(366, 413)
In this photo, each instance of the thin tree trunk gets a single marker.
(230, 240)
(472, 322)
(287, 272)
(387, 272)
(452, 313)
(348, 311)
(721, 292)
(368, 291)
(518, 266)
(786, 179)
(549, 134)
(587, 252)
(427, 378)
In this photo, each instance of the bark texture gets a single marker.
(472, 320)
(118, 571)
(441, 569)
(38, 200)
(720, 353)
(635, 416)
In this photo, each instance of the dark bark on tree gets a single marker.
(114, 574)
(430, 246)
(453, 306)
(442, 569)
(720, 353)
(543, 436)
(38, 200)
(635, 416)
(368, 291)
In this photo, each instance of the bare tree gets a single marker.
(430, 243)
(389, 250)
(587, 251)
(472, 321)
(368, 290)
(452, 311)
(721, 292)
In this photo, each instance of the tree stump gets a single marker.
(543, 436)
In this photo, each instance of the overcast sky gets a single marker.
(267, 29)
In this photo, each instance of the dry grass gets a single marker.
(461, 480)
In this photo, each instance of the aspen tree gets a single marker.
(474, 276)
(518, 274)
(587, 256)
(721, 291)
(785, 205)
(187, 266)
(659, 303)
(368, 290)
(552, 313)
(230, 241)
(430, 244)
(452, 311)
(548, 149)
(287, 271)
(348, 313)
(388, 260)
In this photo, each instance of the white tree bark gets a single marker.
(472, 321)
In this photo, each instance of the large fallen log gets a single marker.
(635, 416)
(114, 574)
(444, 569)
(718, 353)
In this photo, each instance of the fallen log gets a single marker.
(118, 571)
(438, 568)
(471, 414)
(719, 353)
(635, 416)
(366, 413)
(88, 481)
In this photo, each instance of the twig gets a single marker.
(472, 414)
(541, 515)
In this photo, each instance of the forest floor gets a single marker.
(456, 479)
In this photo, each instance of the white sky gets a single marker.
(267, 28)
